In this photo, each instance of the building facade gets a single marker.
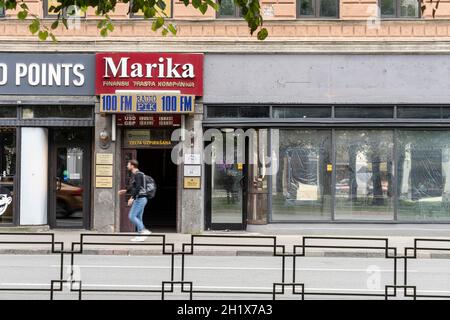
(341, 115)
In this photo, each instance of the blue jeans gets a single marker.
(137, 212)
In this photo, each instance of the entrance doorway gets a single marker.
(69, 177)
(237, 180)
(161, 212)
(228, 196)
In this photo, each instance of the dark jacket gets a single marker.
(136, 187)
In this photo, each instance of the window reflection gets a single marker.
(367, 181)
(364, 163)
(69, 188)
(423, 175)
(301, 189)
(226, 197)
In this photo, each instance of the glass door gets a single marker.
(228, 193)
(69, 178)
(8, 196)
(227, 181)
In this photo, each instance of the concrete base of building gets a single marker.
(353, 229)
(26, 228)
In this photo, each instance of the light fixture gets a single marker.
(105, 139)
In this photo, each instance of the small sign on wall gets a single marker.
(192, 170)
(103, 182)
(192, 158)
(104, 170)
(192, 183)
(104, 158)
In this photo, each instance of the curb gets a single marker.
(222, 253)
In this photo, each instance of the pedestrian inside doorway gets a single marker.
(138, 200)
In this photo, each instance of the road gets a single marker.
(254, 274)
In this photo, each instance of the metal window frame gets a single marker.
(333, 124)
(358, 122)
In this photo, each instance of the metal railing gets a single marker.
(286, 263)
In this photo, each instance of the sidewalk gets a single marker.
(249, 243)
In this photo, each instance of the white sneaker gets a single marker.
(146, 231)
(138, 239)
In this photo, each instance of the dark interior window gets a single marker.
(302, 112)
(238, 112)
(419, 112)
(363, 112)
(8, 112)
(79, 112)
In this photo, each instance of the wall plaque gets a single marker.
(192, 183)
(103, 182)
(104, 158)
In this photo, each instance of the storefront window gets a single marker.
(364, 166)
(423, 175)
(7, 174)
(301, 190)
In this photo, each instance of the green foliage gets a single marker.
(22, 15)
(34, 26)
(262, 34)
(151, 9)
(43, 35)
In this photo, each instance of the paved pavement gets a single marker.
(258, 243)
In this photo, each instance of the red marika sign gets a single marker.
(149, 71)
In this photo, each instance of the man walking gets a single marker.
(138, 199)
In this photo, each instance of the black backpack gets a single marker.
(149, 187)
